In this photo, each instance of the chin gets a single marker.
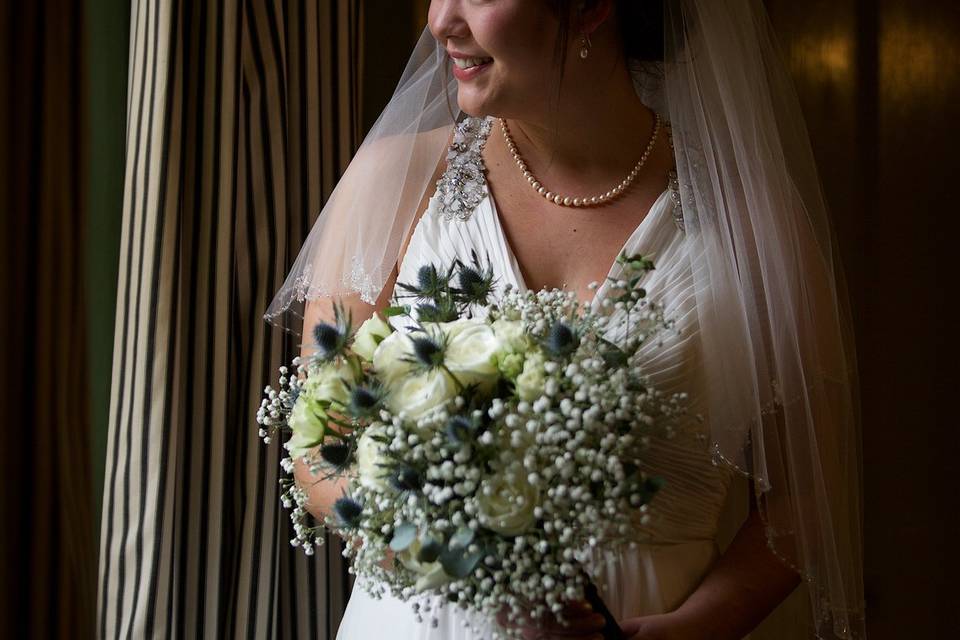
(476, 113)
(475, 106)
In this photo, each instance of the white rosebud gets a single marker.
(530, 382)
(370, 455)
(373, 331)
(308, 421)
(431, 574)
(329, 382)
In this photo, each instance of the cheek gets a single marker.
(522, 52)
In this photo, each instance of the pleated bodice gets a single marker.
(678, 545)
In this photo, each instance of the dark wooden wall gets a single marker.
(879, 81)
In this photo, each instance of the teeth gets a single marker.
(466, 63)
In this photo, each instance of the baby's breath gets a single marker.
(490, 500)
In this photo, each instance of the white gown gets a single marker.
(680, 543)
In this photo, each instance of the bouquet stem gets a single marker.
(611, 629)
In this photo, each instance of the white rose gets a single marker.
(329, 383)
(512, 334)
(531, 380)
(387, 357)
(431, 574)
(508, 509)
(308, 421)
(421, 393)
(432, 579)
(370, 455)
(373, 331)
(471, 350)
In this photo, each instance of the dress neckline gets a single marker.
(640, 230)
(463, 189)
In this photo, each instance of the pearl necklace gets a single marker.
(568, 201)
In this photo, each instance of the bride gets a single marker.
(664, 127)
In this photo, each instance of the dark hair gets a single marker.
(640, 23)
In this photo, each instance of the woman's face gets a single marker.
(514, 39)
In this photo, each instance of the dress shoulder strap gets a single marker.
(673, 183)
(464, 183)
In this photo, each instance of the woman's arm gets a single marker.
(742, 588)
(324, 493)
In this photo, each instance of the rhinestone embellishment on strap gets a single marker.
(464, 184)
(674, 186)
(673, 183)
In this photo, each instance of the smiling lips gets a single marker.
(467, 67)
(466, 63)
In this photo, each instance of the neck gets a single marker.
(597, 130)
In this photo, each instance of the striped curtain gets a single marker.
(241, 117)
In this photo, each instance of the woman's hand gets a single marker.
(665, 626)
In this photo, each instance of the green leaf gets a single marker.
(430, 549)
(458, 564)
(462, 538)
(614, 357)
(403, 536)
(396, 311)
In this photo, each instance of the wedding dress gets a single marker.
(678, 545)
(767, 348)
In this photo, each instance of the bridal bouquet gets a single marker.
(485, 445)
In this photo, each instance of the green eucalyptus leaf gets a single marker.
(403, 536)
(462, 538)
(459, 564)
(430, 548)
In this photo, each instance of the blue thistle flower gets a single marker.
(364, 401)
(348, 511)
(443, 309)
(461, 429)
(331, 339)
(562, 340)
(476, 283)
(406, 478)
(337, 454)
(427, 351)
(327, 337)
(428, 280)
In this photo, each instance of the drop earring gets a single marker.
(585, 45)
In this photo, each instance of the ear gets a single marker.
(590, 14)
